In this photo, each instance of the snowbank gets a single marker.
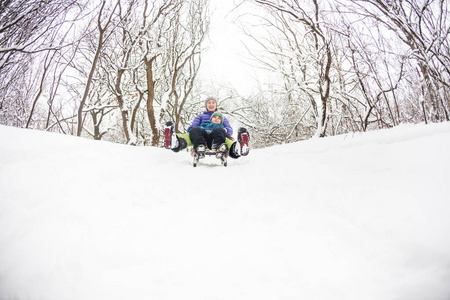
(361, 216)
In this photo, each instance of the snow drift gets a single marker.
(362, 216)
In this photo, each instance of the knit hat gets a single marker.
(217, 114)
(207, 100)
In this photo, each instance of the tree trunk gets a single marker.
(123, 109)
(41, 86)
(150, 100)
(91, 72)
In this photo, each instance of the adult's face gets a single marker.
(211, 105)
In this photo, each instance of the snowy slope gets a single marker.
(347, 217)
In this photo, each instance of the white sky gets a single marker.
(225, 62)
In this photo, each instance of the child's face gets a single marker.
(216, 120)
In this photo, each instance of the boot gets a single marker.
(222, 151)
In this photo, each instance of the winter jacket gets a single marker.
(210, 126)
(206, 116)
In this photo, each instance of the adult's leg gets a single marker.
(186, 137)
(235, 151)
(218, 136)
(198, 136)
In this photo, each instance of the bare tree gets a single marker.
(102, 30)
(183, 56)
(117, 59)
(306, 55)
(37, 20)
(151, 61)
(29, 30)
(345, 59)
(424, 27)
(373, 78)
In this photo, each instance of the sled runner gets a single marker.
(201, 152)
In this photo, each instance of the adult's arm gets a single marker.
(228, 127)
(197, 121)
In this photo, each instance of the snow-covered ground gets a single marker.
(364, 216)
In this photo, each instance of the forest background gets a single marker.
(117, 70)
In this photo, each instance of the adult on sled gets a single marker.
(209, 130)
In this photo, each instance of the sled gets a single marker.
(223, 158)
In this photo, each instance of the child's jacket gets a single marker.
(210, 126)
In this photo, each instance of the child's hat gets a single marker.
(217, 114)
